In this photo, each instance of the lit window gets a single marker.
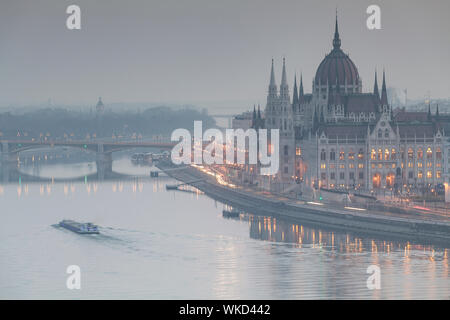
(323, 166)
(373, 154)
(351, 155)
(342, 155)
(429, 153)
(342, 166)
(438, 153)
(419, 174)
(419, 164)
(361, 154)
(380, 154)
(351, 165)
(429, 174)
(438, 174)
(420, 153)
(393, 154)
(386, 154)
(360, 165)
(410, 153)
(298, 151)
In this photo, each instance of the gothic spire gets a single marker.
(437, 111)
(336, 40)
(295, 94)
(272, 77)
(384, 100)
(301, 87)
(429, 112)
(284, 88)
(375, 86)
(283, 75)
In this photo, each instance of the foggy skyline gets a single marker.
(198, 50)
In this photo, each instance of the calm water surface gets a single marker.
(176, 245)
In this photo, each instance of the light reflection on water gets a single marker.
(159, 244)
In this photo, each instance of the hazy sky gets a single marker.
(207, 50)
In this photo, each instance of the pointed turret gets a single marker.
(384, 99)
(429, 112)
(283, 74)
(437, 111)
(336, 40)
(315, 120)
(295, 93)
(259, 111)
(301, 96)
(284, 88)
(272, 77)
(273, 91)
(375, 86)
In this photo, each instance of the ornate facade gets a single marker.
(339, 137)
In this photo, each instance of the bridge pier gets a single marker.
(8, 162)
(103, 162)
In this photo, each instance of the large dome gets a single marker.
(337, 65)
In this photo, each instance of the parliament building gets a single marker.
(341, 137)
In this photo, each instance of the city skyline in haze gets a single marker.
(198, 50)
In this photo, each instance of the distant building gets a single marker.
(243, 121)
(100, 107)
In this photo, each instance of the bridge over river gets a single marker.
(103, 149)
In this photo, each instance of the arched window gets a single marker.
(429, 153)
(438, 153)
(373, 155)
(323, 155)
(420, 154)
(410, 153)
(386, 154)
(342, 154)
(351, 155)
(380, 154)
(393, 154)
(361, 154)
(332, 155)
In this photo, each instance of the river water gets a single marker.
(158, 244)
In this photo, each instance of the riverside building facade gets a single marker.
(341, 137)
